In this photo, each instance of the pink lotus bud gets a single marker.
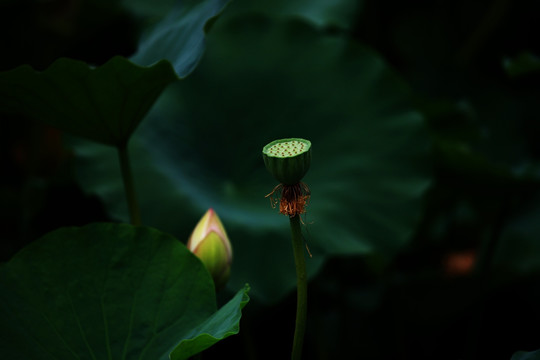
(210, 243)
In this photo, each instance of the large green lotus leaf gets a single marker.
(110, 291)
(103, 104)
(180, 36)
(339, 13)
(262, 80)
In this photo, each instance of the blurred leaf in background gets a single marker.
(263, 79)
(179, 36)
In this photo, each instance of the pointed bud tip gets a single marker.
(210, 243)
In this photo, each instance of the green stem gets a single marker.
(127, 177)
(301, 284)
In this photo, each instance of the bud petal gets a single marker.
(288, 160)
(210, 243)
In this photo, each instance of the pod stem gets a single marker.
(301, 283)
(129, 187)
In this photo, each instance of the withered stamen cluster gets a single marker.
(292, 199)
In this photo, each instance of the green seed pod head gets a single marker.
(288, 159)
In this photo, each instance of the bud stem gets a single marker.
(301, 284)
(129, 188)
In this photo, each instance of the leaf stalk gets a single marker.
(129, 187)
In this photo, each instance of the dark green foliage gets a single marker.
(423, 220)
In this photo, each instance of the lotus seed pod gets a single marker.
(288, 159)
(210, 243)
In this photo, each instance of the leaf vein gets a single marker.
(79, 326)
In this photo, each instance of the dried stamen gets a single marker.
(293, 199)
